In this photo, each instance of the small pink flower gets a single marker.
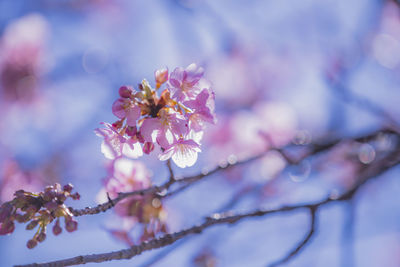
(114, 144)
(126, 175)
(203, 110)
(183, 152)
(183, 82)
(125, 91)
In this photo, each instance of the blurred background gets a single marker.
(297, 70)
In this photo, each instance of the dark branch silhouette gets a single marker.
(303, 242)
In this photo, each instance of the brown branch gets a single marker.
(158, 189)
(171, 171)
(314, 149)
(302, 243)
(367, 173)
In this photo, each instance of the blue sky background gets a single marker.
(285, 48)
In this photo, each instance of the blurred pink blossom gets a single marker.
(22, 60)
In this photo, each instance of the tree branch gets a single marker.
(157, 189)
(370, 171)
(171, 171)
(314, 149)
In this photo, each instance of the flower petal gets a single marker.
(132, 115)
(185, 156)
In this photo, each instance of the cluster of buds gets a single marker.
(172, 118)
(39, 209)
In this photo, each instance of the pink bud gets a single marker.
(68, 187)
(32, 225)
(41, 237)
(71, 225)
(148, 147)
(56, 228)
(51, 206)
(31, 243)
(125, 91)
(117, 124)
(5, 211)
(76, 196)
(161, 76)
(7, 227)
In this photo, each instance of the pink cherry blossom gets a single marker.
(203, 107)
(114, 144)
(183, 152)
(183, 82)
(126, 175)
(173, 118)
(125, 91)
(22, 57)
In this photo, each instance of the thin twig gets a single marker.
(302, 243)
(171, 171)
(227, 206)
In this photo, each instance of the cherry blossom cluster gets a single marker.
(144, 213)
(39, 209)
(171, 116)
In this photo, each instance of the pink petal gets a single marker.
(166, 154)
(177, 77)
(118, 108)
(184, 156)
(161, 75)
(148, 127)
(132, 116)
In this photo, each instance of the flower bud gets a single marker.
(68, 188)
(117, 124)
(5, 211)
(31, 243)
(71, 225)
(76, 196)
(7, 227)
(56, 228)
(32, 209)
(49, 195)
(41, 237)
(51, 206)
(125, 91)
(21, 218)
(161, 76)
(148, 147)
(61, 197)
(57, 187)
(32, 225)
